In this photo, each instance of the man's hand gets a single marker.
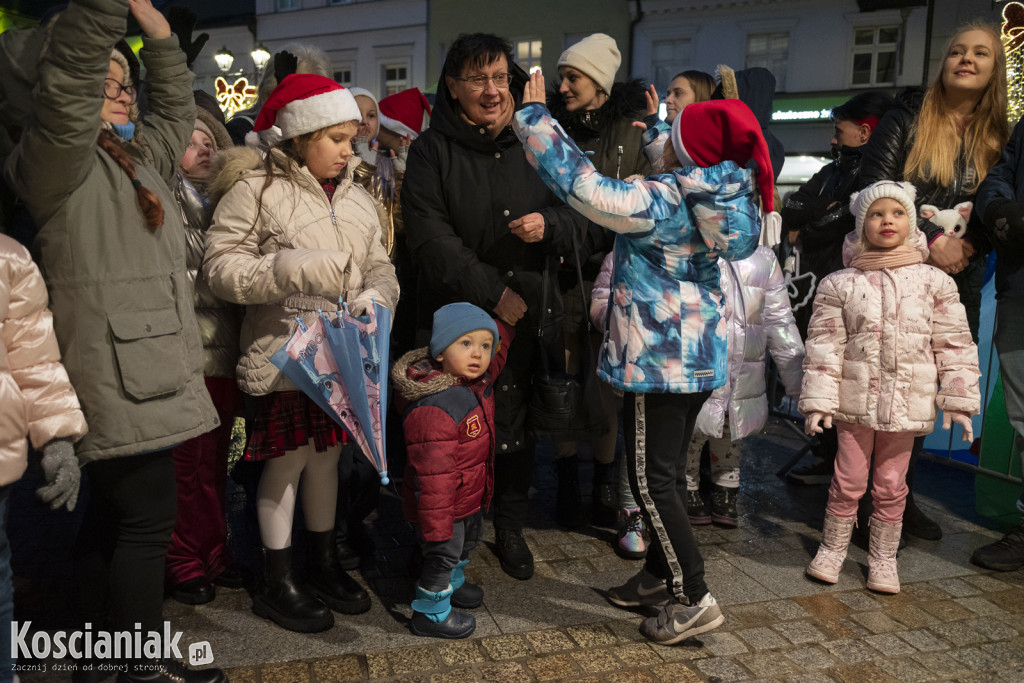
(811, 425)
(151, 21)
(947, 253)
(529, 228)
(534, 91)
(511, 308)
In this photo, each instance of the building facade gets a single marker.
(380, 45)
(539, 31)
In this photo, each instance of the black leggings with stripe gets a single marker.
(658, 430)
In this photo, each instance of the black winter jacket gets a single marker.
(885, 156)
(462, 188)
(1000, 202)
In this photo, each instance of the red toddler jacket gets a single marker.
(449, 434)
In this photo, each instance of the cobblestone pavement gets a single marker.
(952, 621)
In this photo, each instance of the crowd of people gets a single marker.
(529, 236)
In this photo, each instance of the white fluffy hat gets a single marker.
(904, 193)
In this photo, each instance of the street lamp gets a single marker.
(260, 57)
(224, 59)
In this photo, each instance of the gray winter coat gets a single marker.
(119, 292)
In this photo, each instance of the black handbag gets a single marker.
(565, 406)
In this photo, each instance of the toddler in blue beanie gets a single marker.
(446, 395)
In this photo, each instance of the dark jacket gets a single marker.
(885, 156)
(1000, 202)
(461, 190)
(612, 143)
(820, 210)
(122, 306)
(449, 435)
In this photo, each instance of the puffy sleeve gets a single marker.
(825, 347)
(956, 355)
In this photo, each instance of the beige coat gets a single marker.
(285, 251)
(885, 348)
(36, 397)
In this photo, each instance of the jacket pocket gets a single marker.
(854, 388)
(150, 352)
(923, 388)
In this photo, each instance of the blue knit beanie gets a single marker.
(454, 320)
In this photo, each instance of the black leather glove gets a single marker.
(183, 22)
(285, 64)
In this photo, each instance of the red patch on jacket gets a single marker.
(473, 427)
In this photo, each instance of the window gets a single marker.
(669, 57)
(528, 53)
(343, 76)
(288, 5)
(394, 78)
(874, 55)
(770, 50)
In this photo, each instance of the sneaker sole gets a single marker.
(618, 602)
(696, 631)
(724, 520)
(699, 521)
(883, 588)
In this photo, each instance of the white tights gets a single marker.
(275, 500)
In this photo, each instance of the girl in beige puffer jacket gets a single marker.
(888, 343)
(291, 235)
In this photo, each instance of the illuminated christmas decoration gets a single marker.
(235, 97)
(1013, 39)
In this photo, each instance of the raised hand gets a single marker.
(534, 90)
(183, 23)
(285, 64)
(151, 21)
(651, 96)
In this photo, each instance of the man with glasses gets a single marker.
(481, 226)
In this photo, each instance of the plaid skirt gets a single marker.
(286, 420)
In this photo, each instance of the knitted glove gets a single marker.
(285, 64)
(183, 22)
(399, 161)
(62, 475)
(1005, 220)
(362, 149)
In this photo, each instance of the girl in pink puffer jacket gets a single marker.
(887, 344)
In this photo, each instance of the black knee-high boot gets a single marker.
(284, 601)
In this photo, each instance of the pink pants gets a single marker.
(199, 543)
(888, 471)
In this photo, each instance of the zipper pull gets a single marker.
(334, 219)
(618, 165)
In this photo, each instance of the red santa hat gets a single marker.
(707, 133)
(402, 112)
(304, 103)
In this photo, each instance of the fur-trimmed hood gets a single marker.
(416, 376)
(625, 101)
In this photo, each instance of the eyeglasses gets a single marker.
(112, 89)
(479, 81)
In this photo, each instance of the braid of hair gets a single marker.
(152, 209)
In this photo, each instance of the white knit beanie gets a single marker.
(904, 193)
(597, 56)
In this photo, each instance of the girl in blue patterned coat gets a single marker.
(665, 339)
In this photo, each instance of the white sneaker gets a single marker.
(677, 622)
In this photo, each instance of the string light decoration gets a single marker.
(236, 97)
(1013, 39)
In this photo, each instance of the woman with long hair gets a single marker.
(946, 149)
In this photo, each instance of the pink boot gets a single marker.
(835, 539)
(885, 540)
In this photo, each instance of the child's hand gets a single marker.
(811, 426)
(534, 91)
(961, 419)
(651, 95)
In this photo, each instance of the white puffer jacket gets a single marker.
(284, 251)
(758, 317)
(36, 398)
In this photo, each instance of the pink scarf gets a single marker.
(903, 255)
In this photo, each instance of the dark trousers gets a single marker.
(124, 537)
(658, 430)
(358, 490)
(440, 557)
(199, 544)
(513, 473)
